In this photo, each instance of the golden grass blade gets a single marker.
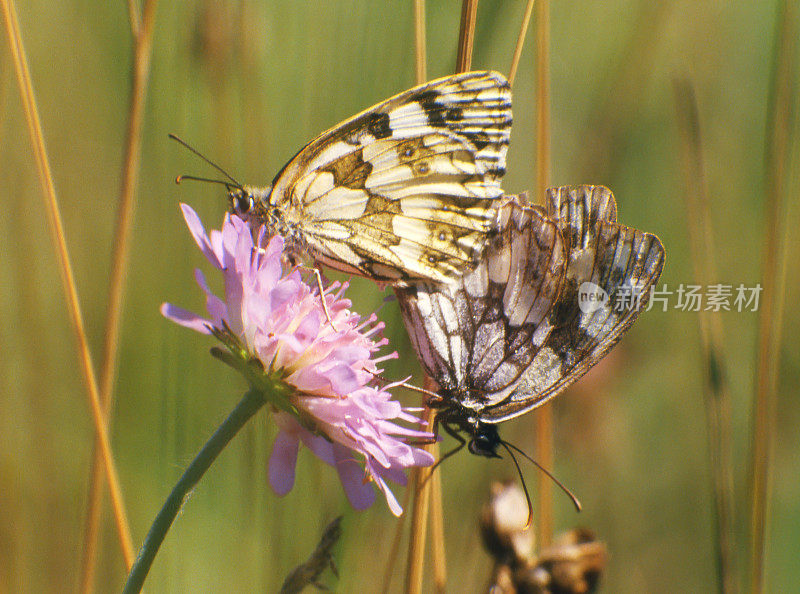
(420, 53)
(436, 510)
(421, 487)
(134, 19)
(716, 393)
(143, 42)
(779, 141)
(394, 549)
(466, 35)
(437, 535)
(523, 32)
(73, 304)
(544, 415)
(542, 98)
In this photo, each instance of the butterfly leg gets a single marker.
(318, 276)
(452, 432)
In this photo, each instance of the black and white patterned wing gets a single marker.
(405, 189)
(475, 338)
(621, 262)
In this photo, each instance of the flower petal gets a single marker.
(199, 233)
(359, 492)
(185, 318)
(391, 500)
(282, 462)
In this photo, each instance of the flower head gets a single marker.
(326, 367)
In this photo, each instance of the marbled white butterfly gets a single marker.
(400, 192)
(512, 333)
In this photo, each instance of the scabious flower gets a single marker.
(330, 401)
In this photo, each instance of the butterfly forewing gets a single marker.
(476, 337)
(625, 263)
(405, 189)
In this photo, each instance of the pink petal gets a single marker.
(281, 294)
(341, 378)
(214, 305)
(199, 233)
(360, 494)
(391, 500)
(185, 318)
(275, 247)
(321, 447)
(282, 462)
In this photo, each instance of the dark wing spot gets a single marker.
(616, 277)
(479, 139)
(455, 114)
(434, 111)
(379, 125)
(350, 171)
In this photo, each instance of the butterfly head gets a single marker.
(242, 201)
(248, 202)
(485, 441)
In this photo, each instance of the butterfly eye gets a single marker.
(242, 202)
(480, 446)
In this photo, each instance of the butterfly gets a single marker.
(401, 192)
(513, 332)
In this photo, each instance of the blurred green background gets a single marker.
(250, 82)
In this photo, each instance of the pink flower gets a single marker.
(333, 406)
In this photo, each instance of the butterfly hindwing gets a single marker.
(624, 262)
(404, 190)
(476, 337)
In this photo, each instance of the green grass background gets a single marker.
(248, 83)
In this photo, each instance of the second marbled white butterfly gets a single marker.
(512, 333)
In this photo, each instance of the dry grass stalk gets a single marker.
(717, 393)
(779, 142)
(421, 487)
(439, 556)
(59, 241)
(394, 549)
(466, 34)
(420, 53)
(523, 32)
(142, 30)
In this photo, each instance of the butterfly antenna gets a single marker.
(206, 159)
(529, 521)
(222, 182)
(575, 501)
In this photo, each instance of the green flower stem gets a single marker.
(247, 407)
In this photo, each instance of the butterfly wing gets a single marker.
(476, 337)
(624, 262)
(404, 190)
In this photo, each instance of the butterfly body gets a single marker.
(401, 192)
(456, 416)
(511, 334)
